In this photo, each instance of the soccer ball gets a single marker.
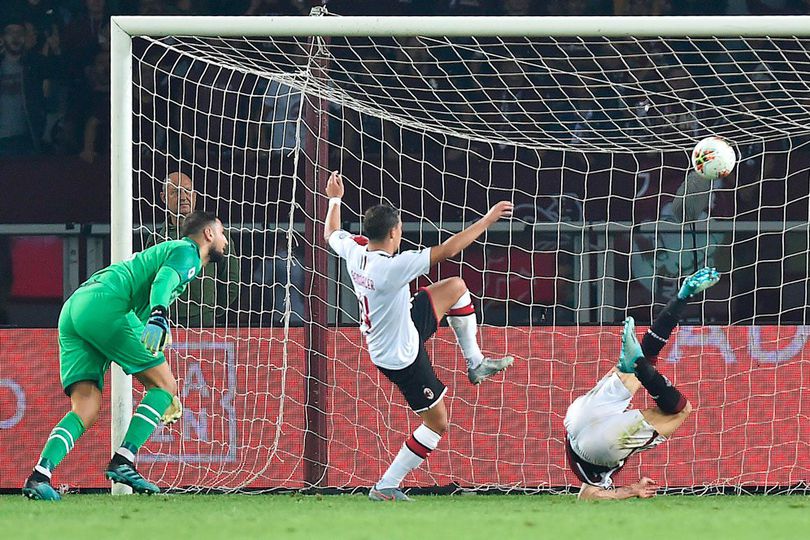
(713, 158)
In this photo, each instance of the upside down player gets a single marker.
(602, 433)
(120, 315)
(396, 327)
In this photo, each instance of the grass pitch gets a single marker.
(490, 517)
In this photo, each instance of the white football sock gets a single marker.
(466, 329)
(126, 453)
(415, 450)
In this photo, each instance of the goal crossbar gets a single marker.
(776, 26)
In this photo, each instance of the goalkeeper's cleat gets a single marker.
(387, 494)
(125, 473)
(38, 490)
(488, 367)
(631, 350)
(698, 282)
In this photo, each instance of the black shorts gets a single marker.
(588, 473)
(418, 382)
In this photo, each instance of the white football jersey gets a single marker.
(381, 285)
(603, 432)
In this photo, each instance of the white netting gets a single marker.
(590, 138)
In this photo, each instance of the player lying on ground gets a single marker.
(119, 315)
(602, 433)
(396, 326)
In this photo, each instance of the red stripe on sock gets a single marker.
(417, 448)
(681, 404)
(466, 310)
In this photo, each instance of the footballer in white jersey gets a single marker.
(381, 282)
(602, 431)
(396, 326)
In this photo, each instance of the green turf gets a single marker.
(237, 517)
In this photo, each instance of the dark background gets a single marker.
(58, 171)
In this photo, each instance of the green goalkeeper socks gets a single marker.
(144, 421)
(61, 441)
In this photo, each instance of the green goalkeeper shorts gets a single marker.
(97, 327)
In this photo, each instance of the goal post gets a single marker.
(316, 150)
(120, 212)
(439, 116)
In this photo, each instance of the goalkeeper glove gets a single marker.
(698, 282)
(173, 413)
(157, 335)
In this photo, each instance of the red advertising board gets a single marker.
(244, 424)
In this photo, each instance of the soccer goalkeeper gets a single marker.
(120, 315)
(602, 433)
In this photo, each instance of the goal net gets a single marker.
(589, 136)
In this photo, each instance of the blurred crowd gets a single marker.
(55, 101)
(54, 54)
(55, 74)
(54, 59)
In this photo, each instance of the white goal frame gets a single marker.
(123, 28)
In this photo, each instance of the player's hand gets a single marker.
(334, 186)
(644, 488)
(698, 282)
(157, 334)
(500, 210)
(173, 413)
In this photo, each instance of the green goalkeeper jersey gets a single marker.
(153, 277)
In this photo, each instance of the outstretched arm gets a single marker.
(334, 190)
(643, 489)
(453, 245)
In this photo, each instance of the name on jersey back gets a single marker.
(363, 281)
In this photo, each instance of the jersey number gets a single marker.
(365, 312)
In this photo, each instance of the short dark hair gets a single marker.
(196, 222)
(379, 220)
(12, 21)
